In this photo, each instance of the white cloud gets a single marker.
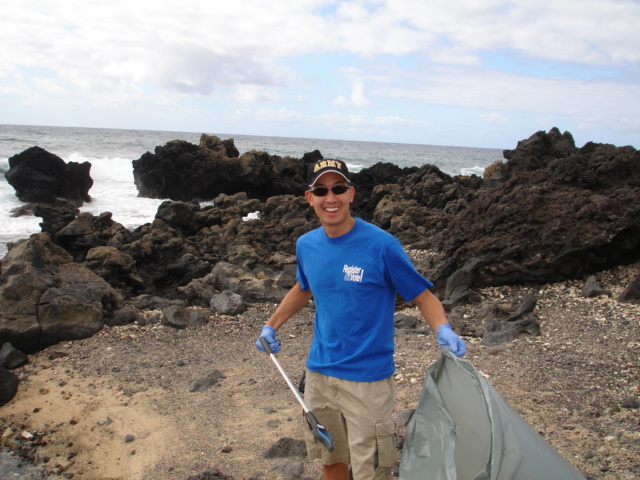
(393, 120)
(278, 115)
(625, 124)
(175, 46)
(339, 120)
(357, 98)
(591, 31)
(582, 59)
(50, 87)
(254, 94)
(11, 81)
(195, 45)
(492, 90)
(494, 117)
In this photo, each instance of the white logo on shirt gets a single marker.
(353, 274)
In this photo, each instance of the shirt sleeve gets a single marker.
(404, 276)
(300, 275)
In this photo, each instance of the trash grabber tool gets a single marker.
(319, 432)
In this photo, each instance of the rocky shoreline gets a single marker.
(577, 384)
(536, 264)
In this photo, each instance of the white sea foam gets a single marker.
(111, 153)
(14, 228)
(472, 171)
(114, 191)
(354, 167)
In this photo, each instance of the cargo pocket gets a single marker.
(386, 445)
(314, 449)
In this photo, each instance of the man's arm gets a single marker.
(431, 309)
(291, 304)
(433, 313)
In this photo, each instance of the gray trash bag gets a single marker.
(464, 430)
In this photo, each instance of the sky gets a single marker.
(454, 72)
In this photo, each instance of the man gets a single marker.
(353, 270)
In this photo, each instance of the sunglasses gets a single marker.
(336, 189)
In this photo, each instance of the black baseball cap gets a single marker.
(327, 165)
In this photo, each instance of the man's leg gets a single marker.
(337, 471)
(368, 411)
(320, 397)
(367, 443)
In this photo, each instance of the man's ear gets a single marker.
(352, 193)
(307, 195)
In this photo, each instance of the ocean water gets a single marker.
(111, 152)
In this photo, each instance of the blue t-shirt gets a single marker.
(354, 279)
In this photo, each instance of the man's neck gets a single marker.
(335, 231)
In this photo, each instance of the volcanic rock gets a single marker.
(209, 380)
(11, 357)
(180, 170)
(164, 259)
(286, 447)
(559, 213)
(40, 176)
(631, 294)
(592, 288)
(8, 385)
(212, 474)
(550, 212)
(88, 231)
(227, 303)
(175, 316)
(46, 298)
(116, 267)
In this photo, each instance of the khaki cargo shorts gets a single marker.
(359, 415)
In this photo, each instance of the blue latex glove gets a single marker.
(448, 338)
(269, 334)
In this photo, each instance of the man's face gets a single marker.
(332, 210)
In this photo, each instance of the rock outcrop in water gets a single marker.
(183, 171)
(42, 177)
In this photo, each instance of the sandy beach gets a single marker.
(119, 405)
